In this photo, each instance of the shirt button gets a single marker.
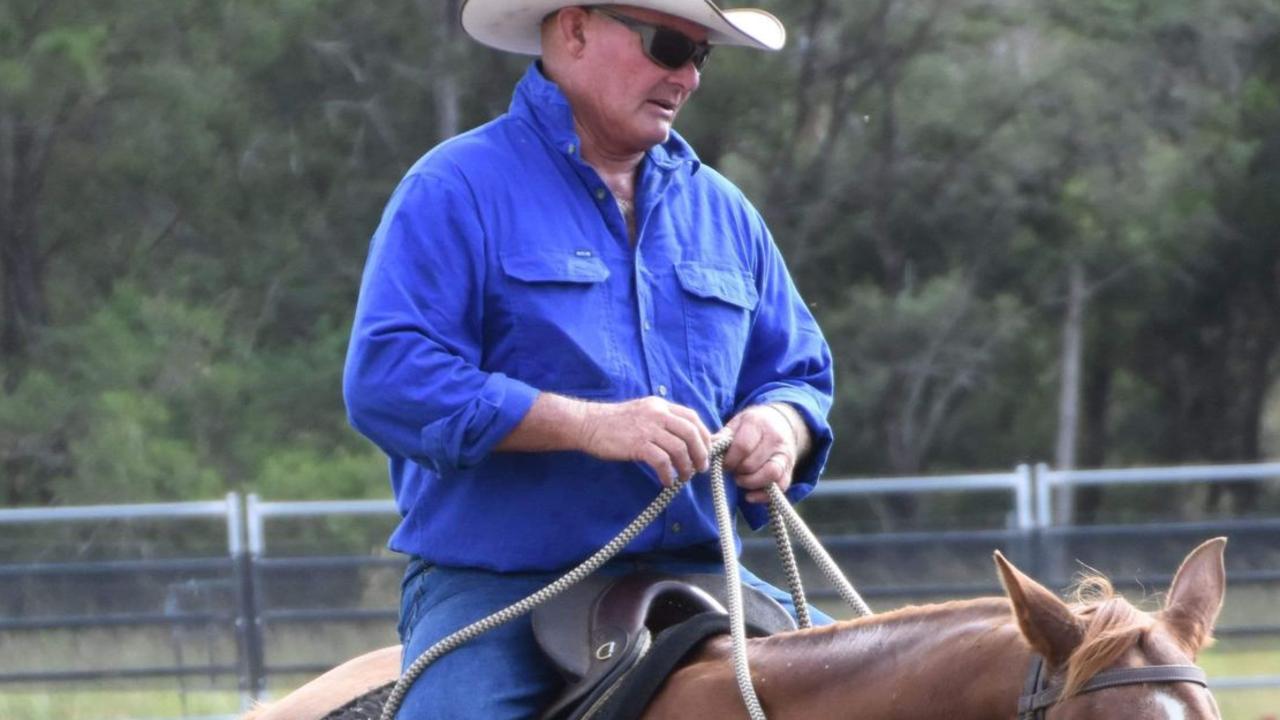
(647, 326)
(662, 390)
(571, 149)
(675, 527)
(600, 193)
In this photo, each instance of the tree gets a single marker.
(51, 80)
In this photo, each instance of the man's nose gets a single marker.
(687, 77)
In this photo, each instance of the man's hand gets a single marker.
(768, 442)
(667, 437)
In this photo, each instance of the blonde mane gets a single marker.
(1113, 626)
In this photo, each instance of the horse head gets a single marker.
(1092, 650)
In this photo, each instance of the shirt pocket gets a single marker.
(559, 303)
(718, 304)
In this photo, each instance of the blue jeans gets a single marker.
(501, 675)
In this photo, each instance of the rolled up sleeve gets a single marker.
(788, 360)
(412, 382)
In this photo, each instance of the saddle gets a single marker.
(615, 639)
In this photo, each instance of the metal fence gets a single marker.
(230, 569)
(1024, 527)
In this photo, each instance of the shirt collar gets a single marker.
(540, 101)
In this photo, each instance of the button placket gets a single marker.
(652, 362)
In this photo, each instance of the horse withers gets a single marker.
(1025, 656)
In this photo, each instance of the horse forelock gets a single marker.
(1112, 627)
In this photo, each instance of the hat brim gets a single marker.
(516, 25)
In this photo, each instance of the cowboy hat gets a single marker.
(515, 25)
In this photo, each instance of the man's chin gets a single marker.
(660, 135)
(649, 135)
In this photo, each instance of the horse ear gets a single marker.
(1195, 597)
(1045, 621)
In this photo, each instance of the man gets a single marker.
(558, 309)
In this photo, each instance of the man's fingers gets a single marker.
(689, 427)
(774, 468)
(746, 437)
(658, 459)
(678, 452)
(667, 437)
(774, 472)
(757, 458)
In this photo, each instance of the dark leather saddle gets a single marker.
(615, 639)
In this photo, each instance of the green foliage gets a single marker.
(194, 184)
(905, 360)
(305, 473)
(127, 452)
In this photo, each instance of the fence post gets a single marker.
(1024, 502)
(1044, 496)
(248, 622)
(1055, 536)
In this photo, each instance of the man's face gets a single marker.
(630, 101)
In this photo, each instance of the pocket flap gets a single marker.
(724, 283)
(556, 267)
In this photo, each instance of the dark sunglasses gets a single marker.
(666, 46)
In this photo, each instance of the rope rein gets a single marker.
(811, 545)
(732, 584)
(779, 509)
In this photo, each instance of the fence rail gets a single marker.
(1029, 534)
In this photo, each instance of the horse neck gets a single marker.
(962, 660)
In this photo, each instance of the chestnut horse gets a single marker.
(961, 660)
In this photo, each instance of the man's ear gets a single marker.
(568, 26)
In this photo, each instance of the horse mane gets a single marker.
(1112, 627)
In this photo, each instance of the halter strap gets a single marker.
(1037, 695)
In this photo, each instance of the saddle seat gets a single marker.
(599, 634)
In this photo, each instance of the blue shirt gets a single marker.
(502, 267)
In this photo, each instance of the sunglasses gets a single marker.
(666, 46)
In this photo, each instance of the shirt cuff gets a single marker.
(466, 437)
(821, 442)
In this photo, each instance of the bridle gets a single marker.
(1038, 695)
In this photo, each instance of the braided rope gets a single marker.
(577, 574)
(733, 590)
(819, 554)
(783, 517)
(787, 556)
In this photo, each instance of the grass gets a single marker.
(1243, 657)
(83, 703)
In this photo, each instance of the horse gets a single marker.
(1027, 654)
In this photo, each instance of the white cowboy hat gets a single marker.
(515, 25)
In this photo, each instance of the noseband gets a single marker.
(1038, 696)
